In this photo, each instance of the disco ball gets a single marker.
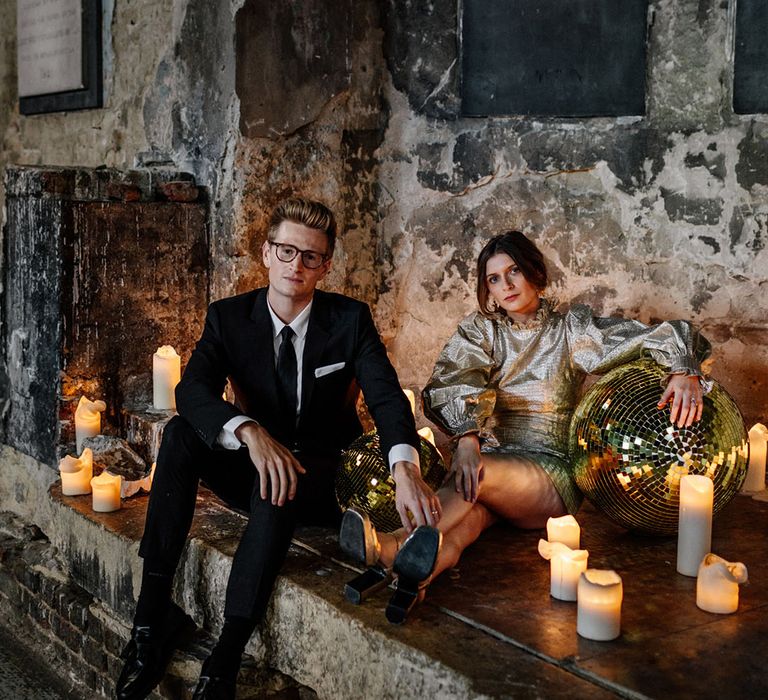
(363, 479)
(628, 458)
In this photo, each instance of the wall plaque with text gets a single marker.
(58, 55)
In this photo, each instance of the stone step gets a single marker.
(311, 633)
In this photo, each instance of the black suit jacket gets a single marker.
(237, 344)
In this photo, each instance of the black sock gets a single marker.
(155, 596)
(225, 658)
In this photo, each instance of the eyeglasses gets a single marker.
(309, 258)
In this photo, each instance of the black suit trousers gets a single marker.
(184, 460)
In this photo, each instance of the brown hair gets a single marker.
(306, 212)
(525, 254)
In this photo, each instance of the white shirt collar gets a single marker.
(298, 325)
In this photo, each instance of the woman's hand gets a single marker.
(467, 466)
(686, 396)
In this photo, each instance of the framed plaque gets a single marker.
(58, 55)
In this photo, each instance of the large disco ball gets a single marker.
(628, 458)
(363, 479)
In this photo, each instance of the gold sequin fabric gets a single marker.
(517, 385)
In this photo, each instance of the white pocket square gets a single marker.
(322, 371)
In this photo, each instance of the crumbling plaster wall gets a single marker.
(660, 216)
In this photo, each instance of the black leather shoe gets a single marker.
(358, 538)
(214, 688)
(373, 579)
(147, 654)
(414, 564)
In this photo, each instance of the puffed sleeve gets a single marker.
(458, 396)
(599, 344)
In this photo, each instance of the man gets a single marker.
(294, 357)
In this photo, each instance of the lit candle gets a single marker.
(694, 535)
(717, 587)
(598, 614)
(565, 530)
(106, 492)
(87, 420)
(755, 481)
(166, 373)
(76, 473)
(411, 400)
(427, 434)
(565, 567)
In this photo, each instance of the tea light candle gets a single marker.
(411, 399)
(76, 473)
(565, 567)
(427, 434)
(106, 492)
(87, 420)
(717, 587)
(755, 481)
(166, 373)
(565, 530)
(694, 535)
(598, 614)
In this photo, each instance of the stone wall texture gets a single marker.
(358, 103)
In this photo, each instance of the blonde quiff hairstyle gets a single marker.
(306, 212)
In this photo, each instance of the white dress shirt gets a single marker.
(401, 452)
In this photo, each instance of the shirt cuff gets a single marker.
(227, 438)
(403, 452)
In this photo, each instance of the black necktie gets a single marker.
(287, 376)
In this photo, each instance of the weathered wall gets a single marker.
(658, 217)
(663, 216)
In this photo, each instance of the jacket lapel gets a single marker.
(261, 341)
(317, 336)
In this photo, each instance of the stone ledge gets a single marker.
(311, 633)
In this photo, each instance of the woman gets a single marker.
(504, 387)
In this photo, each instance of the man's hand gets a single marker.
(276, 465)
(687, 399)
(414, 499)
(467, 466)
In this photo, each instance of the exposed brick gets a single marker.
(30, 578)
(68, 634)
(113, 643)
(8, 585)
(179, 191)
(95, 627)
(94, 653)
(49, 588)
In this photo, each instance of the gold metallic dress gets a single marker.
(516, 385)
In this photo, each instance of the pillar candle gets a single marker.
(598, 615)
(106, 492)
(565, 567)
(87, 420)
(717, 586)
(411, 400)
(565, 530)
(427, 434)
(76, 473)
(755, 481)
(166, 373)
(694, 534)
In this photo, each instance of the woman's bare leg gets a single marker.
(515, 489)
(459, 537)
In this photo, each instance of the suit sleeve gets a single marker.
(199, 393)
(378, 380)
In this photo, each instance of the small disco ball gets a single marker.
(363, 479)
(628, 458)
